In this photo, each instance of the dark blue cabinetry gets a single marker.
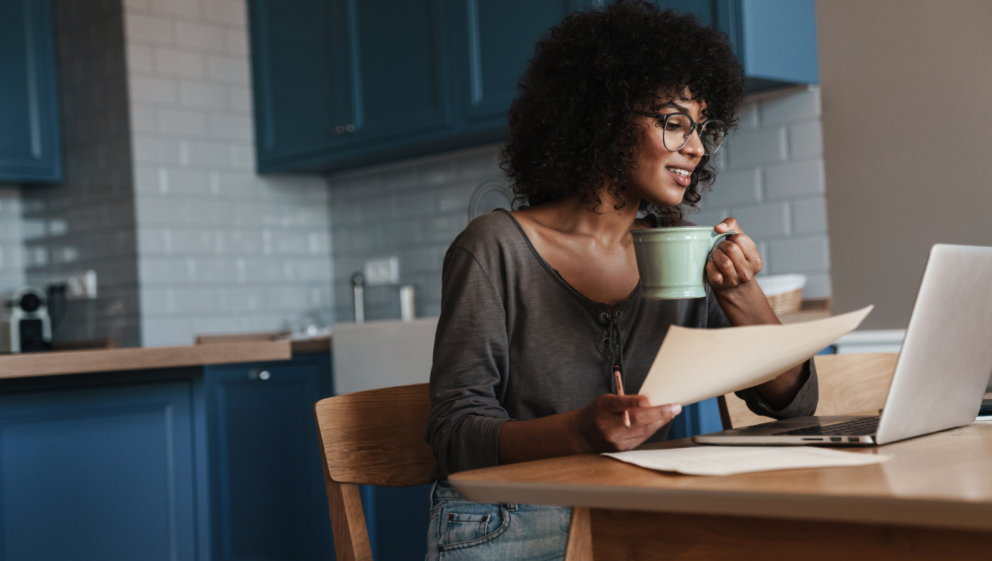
(102, 471)
(29, 134)
(344, 83)
(266, 485)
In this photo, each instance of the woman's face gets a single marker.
(662, 176)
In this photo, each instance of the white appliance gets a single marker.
(380, 354)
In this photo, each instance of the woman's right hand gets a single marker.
(601, 426)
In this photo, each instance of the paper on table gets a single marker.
(728, 460)
(697, 364)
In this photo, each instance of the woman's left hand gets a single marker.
(735, 261)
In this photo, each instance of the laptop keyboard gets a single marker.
(867, 425)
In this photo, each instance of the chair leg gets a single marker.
(351, 537)
(579, 546)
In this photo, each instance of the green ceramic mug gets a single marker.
(672, 261)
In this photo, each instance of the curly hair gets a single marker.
(571, 128)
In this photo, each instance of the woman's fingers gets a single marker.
(621, 403)
(729, 223)
(651, 415)
(736, 260)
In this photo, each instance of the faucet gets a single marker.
(407, 299)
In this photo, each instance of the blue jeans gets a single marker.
(461, 529)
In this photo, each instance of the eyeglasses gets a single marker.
(679, 126)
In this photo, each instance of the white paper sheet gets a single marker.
(697, 364)
(728, 460)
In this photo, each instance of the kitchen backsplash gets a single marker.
(222, 249)
(770, 179)
(11, 240)
(87, 221)
(411, 210)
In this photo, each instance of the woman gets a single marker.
(618, 115)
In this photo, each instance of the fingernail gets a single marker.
(676, 409)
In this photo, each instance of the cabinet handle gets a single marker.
(259, 375)
(345, 129)
(349, 128)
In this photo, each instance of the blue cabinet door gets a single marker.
(300, 77)
(493, 40)
(775, 40)
(397, 69)
(29, 114)
(267, 494)
(98, 473)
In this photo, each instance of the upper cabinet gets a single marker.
(494, 40)
(29, 114)
(775, 40)
(345, 83)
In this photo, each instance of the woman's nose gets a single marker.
(694, 145)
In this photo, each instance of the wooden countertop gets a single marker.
(323, 344)
(114, 360)
(941, 480)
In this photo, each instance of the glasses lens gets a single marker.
(677, 129)
(712, 134)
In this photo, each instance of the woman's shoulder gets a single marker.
(490, 232)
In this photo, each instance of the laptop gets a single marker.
(941, 373)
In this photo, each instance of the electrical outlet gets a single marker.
(382, 271)
(81, 286)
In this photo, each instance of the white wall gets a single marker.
(907, 125)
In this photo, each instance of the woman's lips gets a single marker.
(683, 180)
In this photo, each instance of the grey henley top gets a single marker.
(515, 341)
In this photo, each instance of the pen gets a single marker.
(619, 385)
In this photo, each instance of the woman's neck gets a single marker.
(580, 216)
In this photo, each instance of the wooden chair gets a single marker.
(851, 384)
(376, 437)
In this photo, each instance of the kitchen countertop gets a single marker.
(319, 344)
(114, 360)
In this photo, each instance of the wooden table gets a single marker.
(932, 500)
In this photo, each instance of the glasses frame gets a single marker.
(694, 127)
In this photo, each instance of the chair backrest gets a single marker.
(850, 384)
(374, 437)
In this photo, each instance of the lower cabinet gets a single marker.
(212, 463)
(267, 498)
(98, 472)
(397, 518)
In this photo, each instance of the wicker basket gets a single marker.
(787, 302)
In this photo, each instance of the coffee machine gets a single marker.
(26, 325)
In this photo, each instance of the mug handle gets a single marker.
(716, 239)
(720, 237)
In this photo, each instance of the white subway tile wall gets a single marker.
(12, 233)
(771, 180)
(87, 221)
(221, 249)
(412, 210)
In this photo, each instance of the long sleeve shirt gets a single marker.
(516, 341)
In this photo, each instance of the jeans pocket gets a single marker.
(466, 524)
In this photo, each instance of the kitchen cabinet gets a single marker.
(775, 40)
(30, 149)
(267, 492)
(98, 468)
(345, 83)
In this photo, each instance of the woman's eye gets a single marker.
(673, 126)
